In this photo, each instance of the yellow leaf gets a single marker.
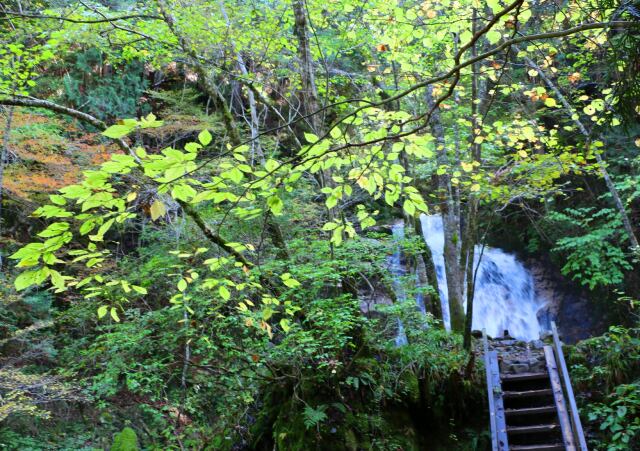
(157, 209)
(475, 187)
(637, 142)
(550, 102)
(467, 167)
(533, 73)
(522, 153)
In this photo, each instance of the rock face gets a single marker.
(567, 303)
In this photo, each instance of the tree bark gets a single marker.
(307, 75)
(450, 222)
(478, 100)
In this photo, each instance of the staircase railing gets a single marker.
(497, 419)
(566, 382)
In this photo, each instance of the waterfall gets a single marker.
(397, 272)
(504, 297)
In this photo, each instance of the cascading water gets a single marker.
(398, 271)
(504, 297)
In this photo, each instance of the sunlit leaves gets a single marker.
(205, 137)
(157, 209)
(275, 204)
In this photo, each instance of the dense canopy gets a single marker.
(215, 218)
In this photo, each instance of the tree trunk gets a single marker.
(273, 229)
(450, 222)
(307, 75)
(478, 102)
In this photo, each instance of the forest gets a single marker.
(319, 225)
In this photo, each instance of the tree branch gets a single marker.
(31, 15)
(187, 208)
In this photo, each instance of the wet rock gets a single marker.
(567, 304)
(519, 368)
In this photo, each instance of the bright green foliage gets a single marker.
(619, 418)
(125, 440)
(593, 258)
(211, 277)
(609, 368)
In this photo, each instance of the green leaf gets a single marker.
(182, 285)
(114, 315)
(284, 323)
(275, 204)
(311, 138)
(192, 147)
(139, 289)
(118, 131)
(409, 207)
(224, 293)
(493, 36)
(57, 199)
(204, 137)
(25, 280)
(102, 311)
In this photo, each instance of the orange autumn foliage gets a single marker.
(47, 154)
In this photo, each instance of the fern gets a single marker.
(313, 417)
(125, 440)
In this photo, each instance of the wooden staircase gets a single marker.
(528, 385)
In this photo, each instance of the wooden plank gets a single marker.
(490, 389)
(500, 418)
(563, 415)
(541, 447)
(523, 377)
(575, 414)
(527, 394)
(530, 411)
(534, 429)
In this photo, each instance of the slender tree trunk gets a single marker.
(451, 224)
(275, 234)
(307, 74)
(601, 163)
(478, 100)
(253, 109)
(4, 156)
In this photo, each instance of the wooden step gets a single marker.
(535, 429)
(527, 393)
(529, 411)
(541, 447)
(523, 377)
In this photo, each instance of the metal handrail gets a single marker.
(492, 407)
(575, 416)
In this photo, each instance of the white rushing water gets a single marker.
(504, 297)
(398, 271)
